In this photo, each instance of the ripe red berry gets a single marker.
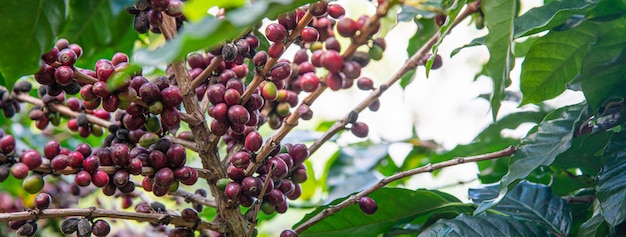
(309, 82)
(332, 61)
(232, 96)
(83, 178)
(359, 129)
(251, 186)
(100, 178)
(310, 34)
(253, 141)
(42, 201)
(238, 114)
(100, 228)
(232, 190)
(170, 117)
(288, 233)
(164, 177)
(346, 27)
(176, 156)
(7, 144)
(67, 57)
(319, 8)
(276, 50)
(59, 162)
(241, 159)
(51, 56)
(275, 32)
(149, 92)
(336, 11)
(64, 75)
(368, 205)
(171, 96)
(121, 178)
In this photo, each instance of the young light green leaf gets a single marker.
(351, 221)
(540, 147)
(35, 24)
(553, 61)
(499, 17)
(549, 15)
(530, 202)
(611, 189)
(485, 225)
(209, 32)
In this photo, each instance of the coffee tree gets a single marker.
(144, 100)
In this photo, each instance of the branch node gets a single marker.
(352, 116)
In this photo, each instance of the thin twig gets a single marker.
(381, 183)
(93, 212)
(411, 64)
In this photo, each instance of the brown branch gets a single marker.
(206, 72)
(160, 218)
(194, 198)
(411, 64)
(381, 183)
(292, 121)
(84, 78)
(145, 171)
(207, 149)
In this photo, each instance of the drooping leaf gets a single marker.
(611, 189)
(407, 79)
(553, 61)
(499, 17)
(540, 147)
(101, 28)
(486, 225)
(602, 72)
(394, 205)
(549, 15)
(530, 202)
(210, 31)
(29, 29)
(453, 9)
(475, 42)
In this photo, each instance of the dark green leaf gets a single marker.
(29, 29)
(520, 49)
(540, 147)
(209, 31)
(475, 42)
(549, 15)
(407, 78)
(530, 202)
(602, 72)
(353, 169)
(553, 61)
(595, 226)
(486, 225)
(499, 21)
(394, 205)
(425, 29)
(611, 190)
(584, 153)
(101, 28)
(565, 183)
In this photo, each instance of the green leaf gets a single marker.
(520, 49)
(529, 202)
(407, 79)
(425, 29)
(499, 21)
(602, 72)
(209, 31)
(353, 169)
(453, 11)
(197, 9)
(29, 29)
(594, 226)
(611, 189)
(351, 221)
(475, 42)
(553, 61)
(485, 225)
(549, 15)
(540, 147)
(584, 153)
(101, 28)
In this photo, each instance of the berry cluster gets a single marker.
(58, 71)
(148, 14)
(84, 227)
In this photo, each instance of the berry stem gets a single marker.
(206, 72)
(84, 78)
(409, 65)
(93, 212)
(381, 183)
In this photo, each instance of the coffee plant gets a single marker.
(185, 118)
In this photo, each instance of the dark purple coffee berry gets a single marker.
(171, 96)
(83, 178)
(364, 83)
(189, 215)
(346, 27)
(235, 173)
(368, 205)
(251, 186)
(241, 159)
(238, 114)
(31, 158)
(160, 5)
(360, 129)
(253, 141)
(319, 8)
(100, 228)
(7, 144)
(42, 201)
(229, 52)
(164, 177)
(100, 178)
(170, 117)
(121, 178)
(232, 190)
(149, 92)
(176, 156)
(64, 75)
(67, 57)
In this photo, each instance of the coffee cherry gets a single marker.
(275, 32)
(364, 83)
(368, 205)
(170, 117)
(251, 186)
(33, 183)
(281, 71)
(310, 34)
(299, 175)
(104, 69)
(128, 188)
(31, 158)
(120, 154)
(309, 82)
(241, 159)
(280, 168)
(83, 228)
(100, 178)
(376, 52)
(189, 215)
(437, 62)
(69, 226)
(319, 8)
(19, 170)
(191, 179)
(235, 173)
(288, 233)
(160, 5)
(100, 228)
(176, 156)
(27, 229)
(334, 81)
(4, 173)
(121, 178)
(64, 75)
(232, 190)
(164, 177)
(67, 57)
(276, 50)
(7, 144)
(359, 129)
(238, 114)
(346, 27)
(149, 92)
(83, 178)
(171, 96)
(253, 141)
(42, 201)
(259, 59)
(229, 52)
